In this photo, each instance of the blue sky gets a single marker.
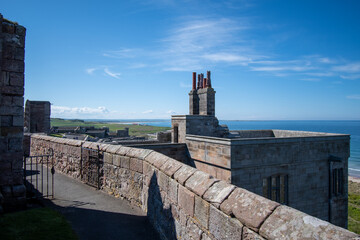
(270, 60)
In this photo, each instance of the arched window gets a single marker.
(275, 188)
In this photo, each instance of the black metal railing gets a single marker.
(39, 175)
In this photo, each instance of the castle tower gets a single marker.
(37, 116)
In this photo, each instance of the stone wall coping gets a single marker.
(182, 117)
(157, 145)
(263, 216)
(269, 140)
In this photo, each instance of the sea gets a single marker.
(345, 127)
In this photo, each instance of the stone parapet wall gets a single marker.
(12, 44)
(185, 203)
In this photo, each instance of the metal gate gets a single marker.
(39, 176)
(91, 166)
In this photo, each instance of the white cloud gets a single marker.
(281, 68)
(112, 74)
(226, 57)
(348, 68)
(356, 97)
(171, 112)
(122, 53)
(183, 85)
(69, 112)
(311, 79)
(90, 70)
(351, 77)
(200, 42)
(148, 111)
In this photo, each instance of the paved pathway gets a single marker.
(96, 215)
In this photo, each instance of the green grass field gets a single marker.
(354, 207)
(35, 224)
(134, 130)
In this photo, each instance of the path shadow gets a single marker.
(159, 213)
(96, 224)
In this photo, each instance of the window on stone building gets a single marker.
(176, 134)
(275, 188)
(337, 181)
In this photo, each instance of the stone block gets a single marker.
(192, 231)
(108, 158)
(250, 235)
(184, 173)
(123, 150)
(136, 165)
(199, 182)
(204, 236)
(6, 121)
(286, 221)
(138, 153)
(8, 27)
(173, 191)
(20, 30)
(218, 192)
(201, 212)
(10, 65)
(18, 121)
(170, 167)
(112, 148)
(163, 181)
(116, 160)
(15, 144)
(224, 227)
(156, 159)
(249, 208)
(186, 200)
(125, 162)
(4, 78)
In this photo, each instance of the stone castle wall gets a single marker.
(183, 202)
(304, 160)
(197, 125)
(12, 44)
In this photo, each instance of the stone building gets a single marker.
(304, 170)
(37, 116)
(12, 43)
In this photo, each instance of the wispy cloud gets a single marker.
(147, 111)
(194, 43)
(351, 77)
(122, 53)
(90, 70)
(171, 112)
(348, 68)
(200, 42)
(356, 97)
(112, 74)
(69, 112)
(311, 79)
(184, 85)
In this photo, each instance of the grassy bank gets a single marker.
(354, 207)
(134, 130)
(39, 223)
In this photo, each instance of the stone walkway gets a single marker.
(96, 215)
